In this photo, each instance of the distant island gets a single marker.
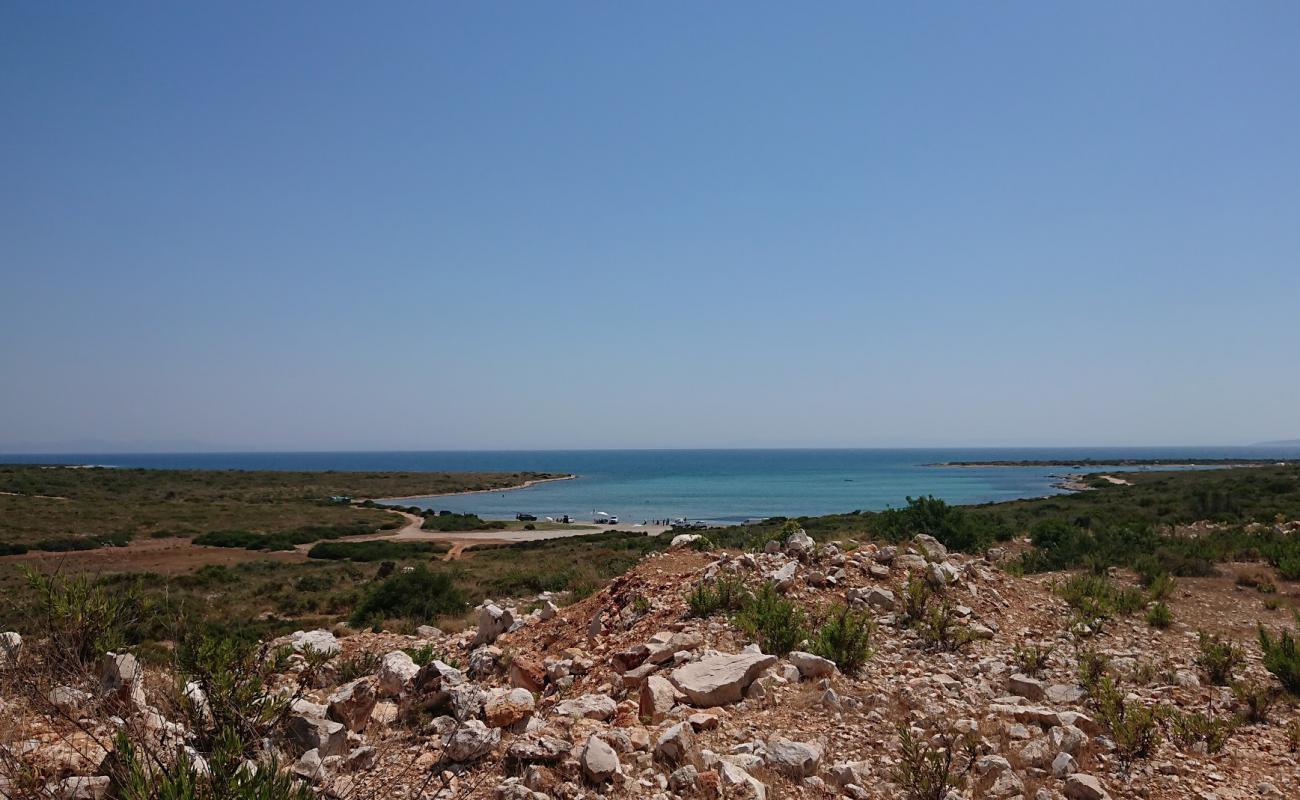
(1122, 462)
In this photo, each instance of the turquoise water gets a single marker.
(713, 485)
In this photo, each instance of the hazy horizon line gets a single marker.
(8, 453)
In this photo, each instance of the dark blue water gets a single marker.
(717, 485)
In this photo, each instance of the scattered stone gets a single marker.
(319, 641)
(122, 681)
(506, 707)
(11, 649)
(545, 749)
(589, 706)
(396, 672)
(80, 788)
(811, 666)
(311, 767)
(69, 701)
(471, 741)
(599, 761)
(1064, 765)
(1084, 787)
(313, 733)
(1025, 686)
(792, 759)
(721, 679)
(657, 698)
(676, 745)
(352, 703)
(493, 621)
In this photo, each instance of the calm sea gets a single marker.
(714, 485)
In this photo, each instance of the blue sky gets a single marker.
(519, 225)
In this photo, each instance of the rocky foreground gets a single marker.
(625, 695)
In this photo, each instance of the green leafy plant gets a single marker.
(775, 621)
(84, 619)
(1187, 728)
(1133, 727)
(358, 666)
(1092, 669)
(1218, 658)
(1254, 701)
(940, 631)
(1032, 659)
(928, 772)
(1282, 656)
(916, 599)
(419, 595)
(1159, 615)
(845, 638)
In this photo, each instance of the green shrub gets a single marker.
(10, 549)
(1162, 587)
(358, 666)
(374, 550)
(138, 778)
(422, 655)
(84, 619)
(726, 593)
(940, 631)
(1218, 658)
(916, 599)
(954, 527)
(445, 521)
(1092, 669)
(702, 601)
(1187, 728)
(419, 596)
(1282, 657)
(928, 772)
(845, 638)
(1032, 659)
(1159, 615)
(1254, 700)
(1098, 597)
(775, 622)
(1133, 727)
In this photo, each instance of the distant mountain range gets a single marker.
(1279, 443)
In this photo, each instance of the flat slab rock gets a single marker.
(722, 679)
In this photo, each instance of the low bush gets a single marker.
(1133, 727)
(928, 771)
(1032, 659)
(1218, 658)
(1187, 728)
(941, 632)
(916, 600)
(1282, 656)
(726, 593)
(1159, 615)
(83, 619)
(374, 550)
(445, 521)
(420, 596)
(1093, 666)
(845, 638)
(358, 666)
(1099, 597)
(1254, 701)
(778, 624)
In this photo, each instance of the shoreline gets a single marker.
(1122, 462)
(524, 485)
